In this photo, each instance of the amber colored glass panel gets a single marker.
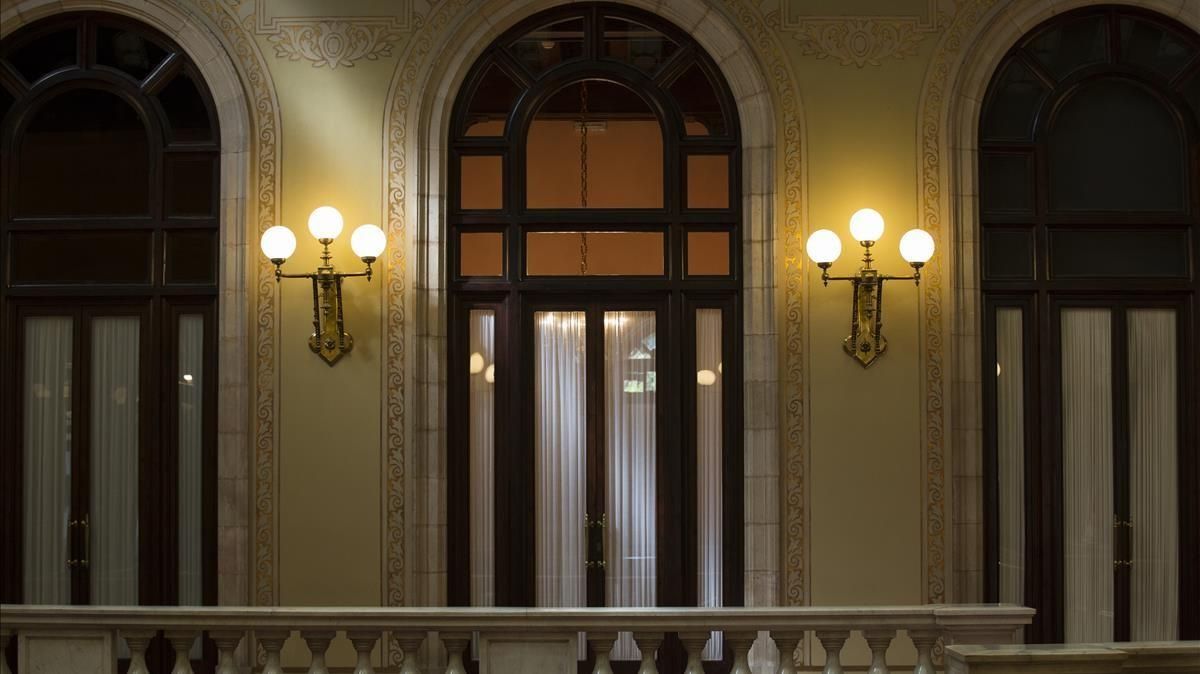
(482, 182)
(1013, 104)
(639, 46)
(191, 184)
(481, 254)
(37, 258)
(46, 54)
(594, 254)
(552, 44)
(707, 181)
(127, 51)
(1071, 45)
(186, 112)
(701, 107)
(191, 256)
(86, 152)
(624, 157)
(1155, 47)
(494, 98)
(708, 253)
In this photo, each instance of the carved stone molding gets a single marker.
(331, 40)
(861, 39)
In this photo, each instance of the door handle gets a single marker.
(83, 525)
(594, 540)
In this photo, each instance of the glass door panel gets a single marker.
(112, 524)
(481, 441)
(1154, 498)
(709, 471)
(631, 433)
(190, 431)
(560, 448)
(1010, 452)
(1087, 454)
(47, 403)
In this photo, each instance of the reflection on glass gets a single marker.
(550, 45)
(1154, 47)
(494, 97)
(480, 424)
(113, 554)
(560, 475)
(594, 144)
(482, 182)
(1010, 453)
(707, 181)
(481, 254)
(709, 470)
(47, 459)
(190, 395)
(701, 108)
(185, 109)
(640, 46)
(708, 253)
(127, 51)
(1072, 45)
(594, 253)
(1016, 97)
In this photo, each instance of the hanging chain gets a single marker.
(583, 172)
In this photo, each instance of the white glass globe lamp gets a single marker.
(278, 243)
(823, 247)
(916, 246)
(866, 225)
(368, 241)
(325, 223)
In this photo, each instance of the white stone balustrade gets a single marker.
(410, 627)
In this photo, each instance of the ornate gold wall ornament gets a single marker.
(860, 39)
(934, 202)
(334, 43)
(264, 117)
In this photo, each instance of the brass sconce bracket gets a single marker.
(329, 339)
(866, 341)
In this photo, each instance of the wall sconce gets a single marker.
(329, 340)
(866, 341)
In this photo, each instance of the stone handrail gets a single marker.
(409, 627)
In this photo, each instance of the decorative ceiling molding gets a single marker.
(861, 39)
(331, 40)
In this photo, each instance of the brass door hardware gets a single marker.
(80, 527)
(594, 540)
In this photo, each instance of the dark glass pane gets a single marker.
(708, 253)
(697, 98)
(481, 254)
(80, 257)
(610, 156)
(493, 100)
(1108, 254)
(1008, 254)
(641, 47)
(1013, 104)
(127, 51)
(1154, 47)
(1071, 45)
(43, 55)
(186, 112)
(1191, 91)
(550, 45)
(1006, 183)
(594, 254)
(191, 184)
(191, 256)
(1115, 147)
(85, 153)
(707, 181)
(482, 182)
(6, 102)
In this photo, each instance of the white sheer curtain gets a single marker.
(1087, 474)
(190, 438)
(559, 444)
(482, 326)
(1010, 452)
(630, 347)
(1153, 450)
(709, 452)
(114, 460)
(47, 458)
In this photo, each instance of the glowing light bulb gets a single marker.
(866, 225)
(823, 246)
(706, 377)
(325, 223)
(489, 375)
(476, 363)
(278, 243)
(368, 241)
(916, 246)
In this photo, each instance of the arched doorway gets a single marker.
(594, 319)
(1088, 146)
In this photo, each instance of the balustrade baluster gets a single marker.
(456, 645)
(879, 640)
(924, 641)
(364, 643)
(410, 643)
(318, 643)
(227, 642)
(741, 643)
(601, 644)
(181, 641)
(693, 643)
(832, 642)
(272, 643)
(786, 642)
(138, 641)
(648, 643)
